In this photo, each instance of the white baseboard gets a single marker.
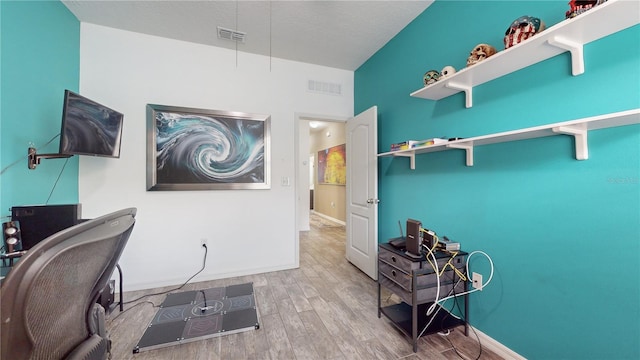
(329, 218)
(203, 277)
(496, 347)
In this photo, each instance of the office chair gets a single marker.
(48, 300)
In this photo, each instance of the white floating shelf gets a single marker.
(568, 35)
(576, 128)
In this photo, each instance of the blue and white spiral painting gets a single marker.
(197, 149)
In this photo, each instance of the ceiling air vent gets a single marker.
(233, 35)
(323, 87)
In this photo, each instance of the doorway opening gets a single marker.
(360, 185)
(313, 132)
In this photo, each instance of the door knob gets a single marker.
(373, 201)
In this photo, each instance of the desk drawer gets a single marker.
(429, 279)
(422, 295)
(407, 264)
(397, 261)
(393, 273)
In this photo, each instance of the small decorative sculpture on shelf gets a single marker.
(479, 53)
(577, 7)
(447, 71)
(431, 77)
(521, 29)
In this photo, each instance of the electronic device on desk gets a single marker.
(12, 244)
(11, 236)
(447, 245)
(401, 242)
(38, 222)
(414, 238)
(398, 243)
(429, 238)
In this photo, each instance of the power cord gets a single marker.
(452, 294)
(446, 335)
(432, 309)
(472, 329)
(430, 255)
(467, 270)
(22, 157)
(204, 262)
(449, 264)
(455, 304)
(455, 298)
(437, 299)
(110, 320)
(58, 179)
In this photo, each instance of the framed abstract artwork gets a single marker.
(198, 149)
(332, 165)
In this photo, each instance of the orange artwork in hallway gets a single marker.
(332, 165)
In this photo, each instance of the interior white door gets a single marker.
(362, 191)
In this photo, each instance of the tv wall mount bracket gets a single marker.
(34, 158)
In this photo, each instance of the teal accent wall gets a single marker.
(40, 49)
(564, 234)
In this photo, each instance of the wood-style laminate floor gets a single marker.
(326, 309)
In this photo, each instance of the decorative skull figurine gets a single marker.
(479, 53)
(430, 77)
(577, 7)
(521, 29)
(447, 71)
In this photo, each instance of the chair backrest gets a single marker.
(46, 299)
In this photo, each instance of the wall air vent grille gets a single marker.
(233, 35)
(324, 87)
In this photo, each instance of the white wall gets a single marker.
(248, 231)
(302, 147)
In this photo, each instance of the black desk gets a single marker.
(415, 282)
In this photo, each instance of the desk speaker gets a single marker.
(11, 236)
(41, 221)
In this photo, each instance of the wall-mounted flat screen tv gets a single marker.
(89, 128)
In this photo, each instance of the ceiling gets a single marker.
(339, 33)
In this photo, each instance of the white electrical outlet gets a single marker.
(476, 281)
(203, 242)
